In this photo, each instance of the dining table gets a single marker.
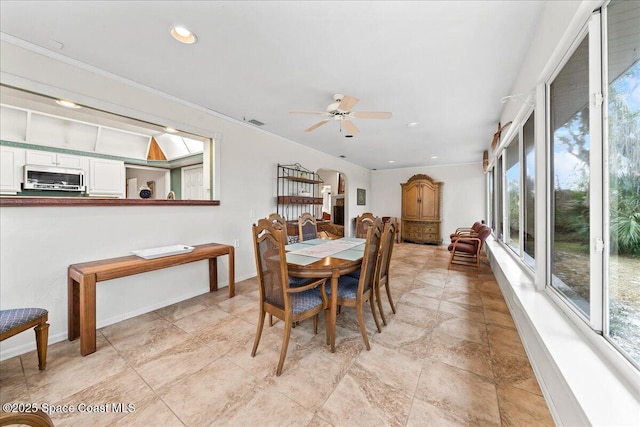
(324, 258)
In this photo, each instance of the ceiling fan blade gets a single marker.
(317, 113)
(347, 103)
(371, 115)
(317, 125)
(349, 127)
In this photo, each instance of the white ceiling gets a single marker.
(444, 64)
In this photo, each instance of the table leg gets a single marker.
(87, 287)
(213, 274)
(333, 309)
(232, 272)
(73, 309)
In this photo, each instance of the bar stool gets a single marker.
(17, 320)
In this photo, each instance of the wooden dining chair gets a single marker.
(382, 270)
(16, 320)
(37, 418)
(307, 227)
(277, 297)
(363, 222)
(355, 292)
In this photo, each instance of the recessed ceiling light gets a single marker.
(183, 35)
(413, 124)
(434, 157)
(67, 104)
(170, 129)
(392, 161)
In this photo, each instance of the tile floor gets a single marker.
(449, 356)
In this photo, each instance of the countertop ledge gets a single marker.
(98, 201)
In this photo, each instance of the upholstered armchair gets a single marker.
(466, 250)
(466, 231)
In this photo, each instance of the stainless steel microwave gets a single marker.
(37, 177)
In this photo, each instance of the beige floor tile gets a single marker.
(463, 311)
(514, 370)
(463, 354)
(469, 396)
(464, 329)
(185, 358)
(503, 339)
(214, 392)
(425, 414)
(181, 309)
(68, 372)
(266, 407)
(450, 356)
(421, 317)
(105, 402)
(519, 408)
(362, 399)
(13, 381)
(154, 413)
(498, 318)
(419, 299)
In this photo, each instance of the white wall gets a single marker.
(463, 193)
(37, 244)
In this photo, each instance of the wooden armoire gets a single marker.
(421, 206)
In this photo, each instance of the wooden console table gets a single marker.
(84, 276)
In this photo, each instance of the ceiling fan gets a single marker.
(340, 110)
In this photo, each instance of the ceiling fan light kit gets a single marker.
(341, 110)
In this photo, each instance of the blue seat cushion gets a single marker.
(294, 282)
(355, 274)
(303, 301)
(15, 317)
(347, 287)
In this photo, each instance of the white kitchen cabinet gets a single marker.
(106, 177)
(12, 161)
(49, 158)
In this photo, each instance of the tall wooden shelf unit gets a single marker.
(421, 206)
(298, 192)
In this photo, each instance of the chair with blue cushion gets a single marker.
(277, 296)
(355, 292)
(17, 320)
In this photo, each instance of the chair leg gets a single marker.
(258, 332)
(42, 341)
(270, 320)
(285, 344)
(315, 324)
(379, 302)
(373, 311)
(363, 329)
(386, 285)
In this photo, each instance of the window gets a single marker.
(529, 191)
(512, 195)
(498, 195)
(570, 179)
(492, 200)
(622, 143)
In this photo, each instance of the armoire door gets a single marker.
(411, 199)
